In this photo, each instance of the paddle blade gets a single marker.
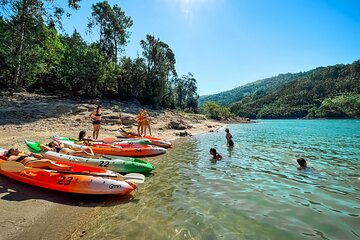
(134, 177)
(11, 166)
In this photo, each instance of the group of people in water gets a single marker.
(230, 143)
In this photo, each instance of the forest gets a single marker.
(325, 92)
(36, 57)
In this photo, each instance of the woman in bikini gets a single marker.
(96, 121)
(146, 122)
(140, 120)
(13, 154)
(60, 148)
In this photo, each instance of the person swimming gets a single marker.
(302, 164)
(216, 156)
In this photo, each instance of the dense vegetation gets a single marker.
(325, 92)
(34, 56)
(215, 111)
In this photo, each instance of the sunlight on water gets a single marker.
(255, 192)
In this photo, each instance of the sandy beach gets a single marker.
(28, 212)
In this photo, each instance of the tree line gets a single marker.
(35, 57)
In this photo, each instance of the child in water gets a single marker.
(216, 156)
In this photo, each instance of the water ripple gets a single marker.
(255, 192)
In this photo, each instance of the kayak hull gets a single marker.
(78, 180)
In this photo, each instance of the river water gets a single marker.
(255, 192)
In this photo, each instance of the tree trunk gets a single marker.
(22, 38)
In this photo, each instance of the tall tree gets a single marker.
(113, 24)
(186, 92)
(160, 63)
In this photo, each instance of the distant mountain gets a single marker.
(324, 92)
(263, 85)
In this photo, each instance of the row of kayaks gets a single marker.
(89, 175)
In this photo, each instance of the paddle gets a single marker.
(11, 166)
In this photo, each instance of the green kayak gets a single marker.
(117, 164)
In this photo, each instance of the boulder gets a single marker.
(177, 125)
(127, 120)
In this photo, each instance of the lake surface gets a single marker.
(255, 192)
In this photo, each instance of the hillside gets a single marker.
(263, 85)
(326, 92)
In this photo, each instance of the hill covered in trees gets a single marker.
(263, 85)
(34, 56)
(325, 92)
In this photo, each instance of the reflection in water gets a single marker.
(254, 192)
(230, 149)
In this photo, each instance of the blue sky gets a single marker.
(228, 43)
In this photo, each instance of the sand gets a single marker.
(28, 212)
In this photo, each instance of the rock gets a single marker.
(112, 121)
(127, 120)
(113, 116)
(183, 134)
(177, 125)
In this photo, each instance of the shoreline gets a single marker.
(29, 212)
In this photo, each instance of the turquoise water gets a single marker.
(255, 192)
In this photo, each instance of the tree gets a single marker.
(160, 67)
(113, 25)
(26, 16)
(186, 92)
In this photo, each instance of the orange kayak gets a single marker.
(77, 180)
(154, 140)
(143, 151)
(129, 150)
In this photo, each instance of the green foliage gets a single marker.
(35, 57)
(160, 62)
(186, 96)
(344, 106)
(112, 24)
(215, 111)
(326, 92)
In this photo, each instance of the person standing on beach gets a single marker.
(146, 122)
(140, 120)
(229, 141)
(96, 121)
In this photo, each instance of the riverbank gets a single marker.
(31, 213)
